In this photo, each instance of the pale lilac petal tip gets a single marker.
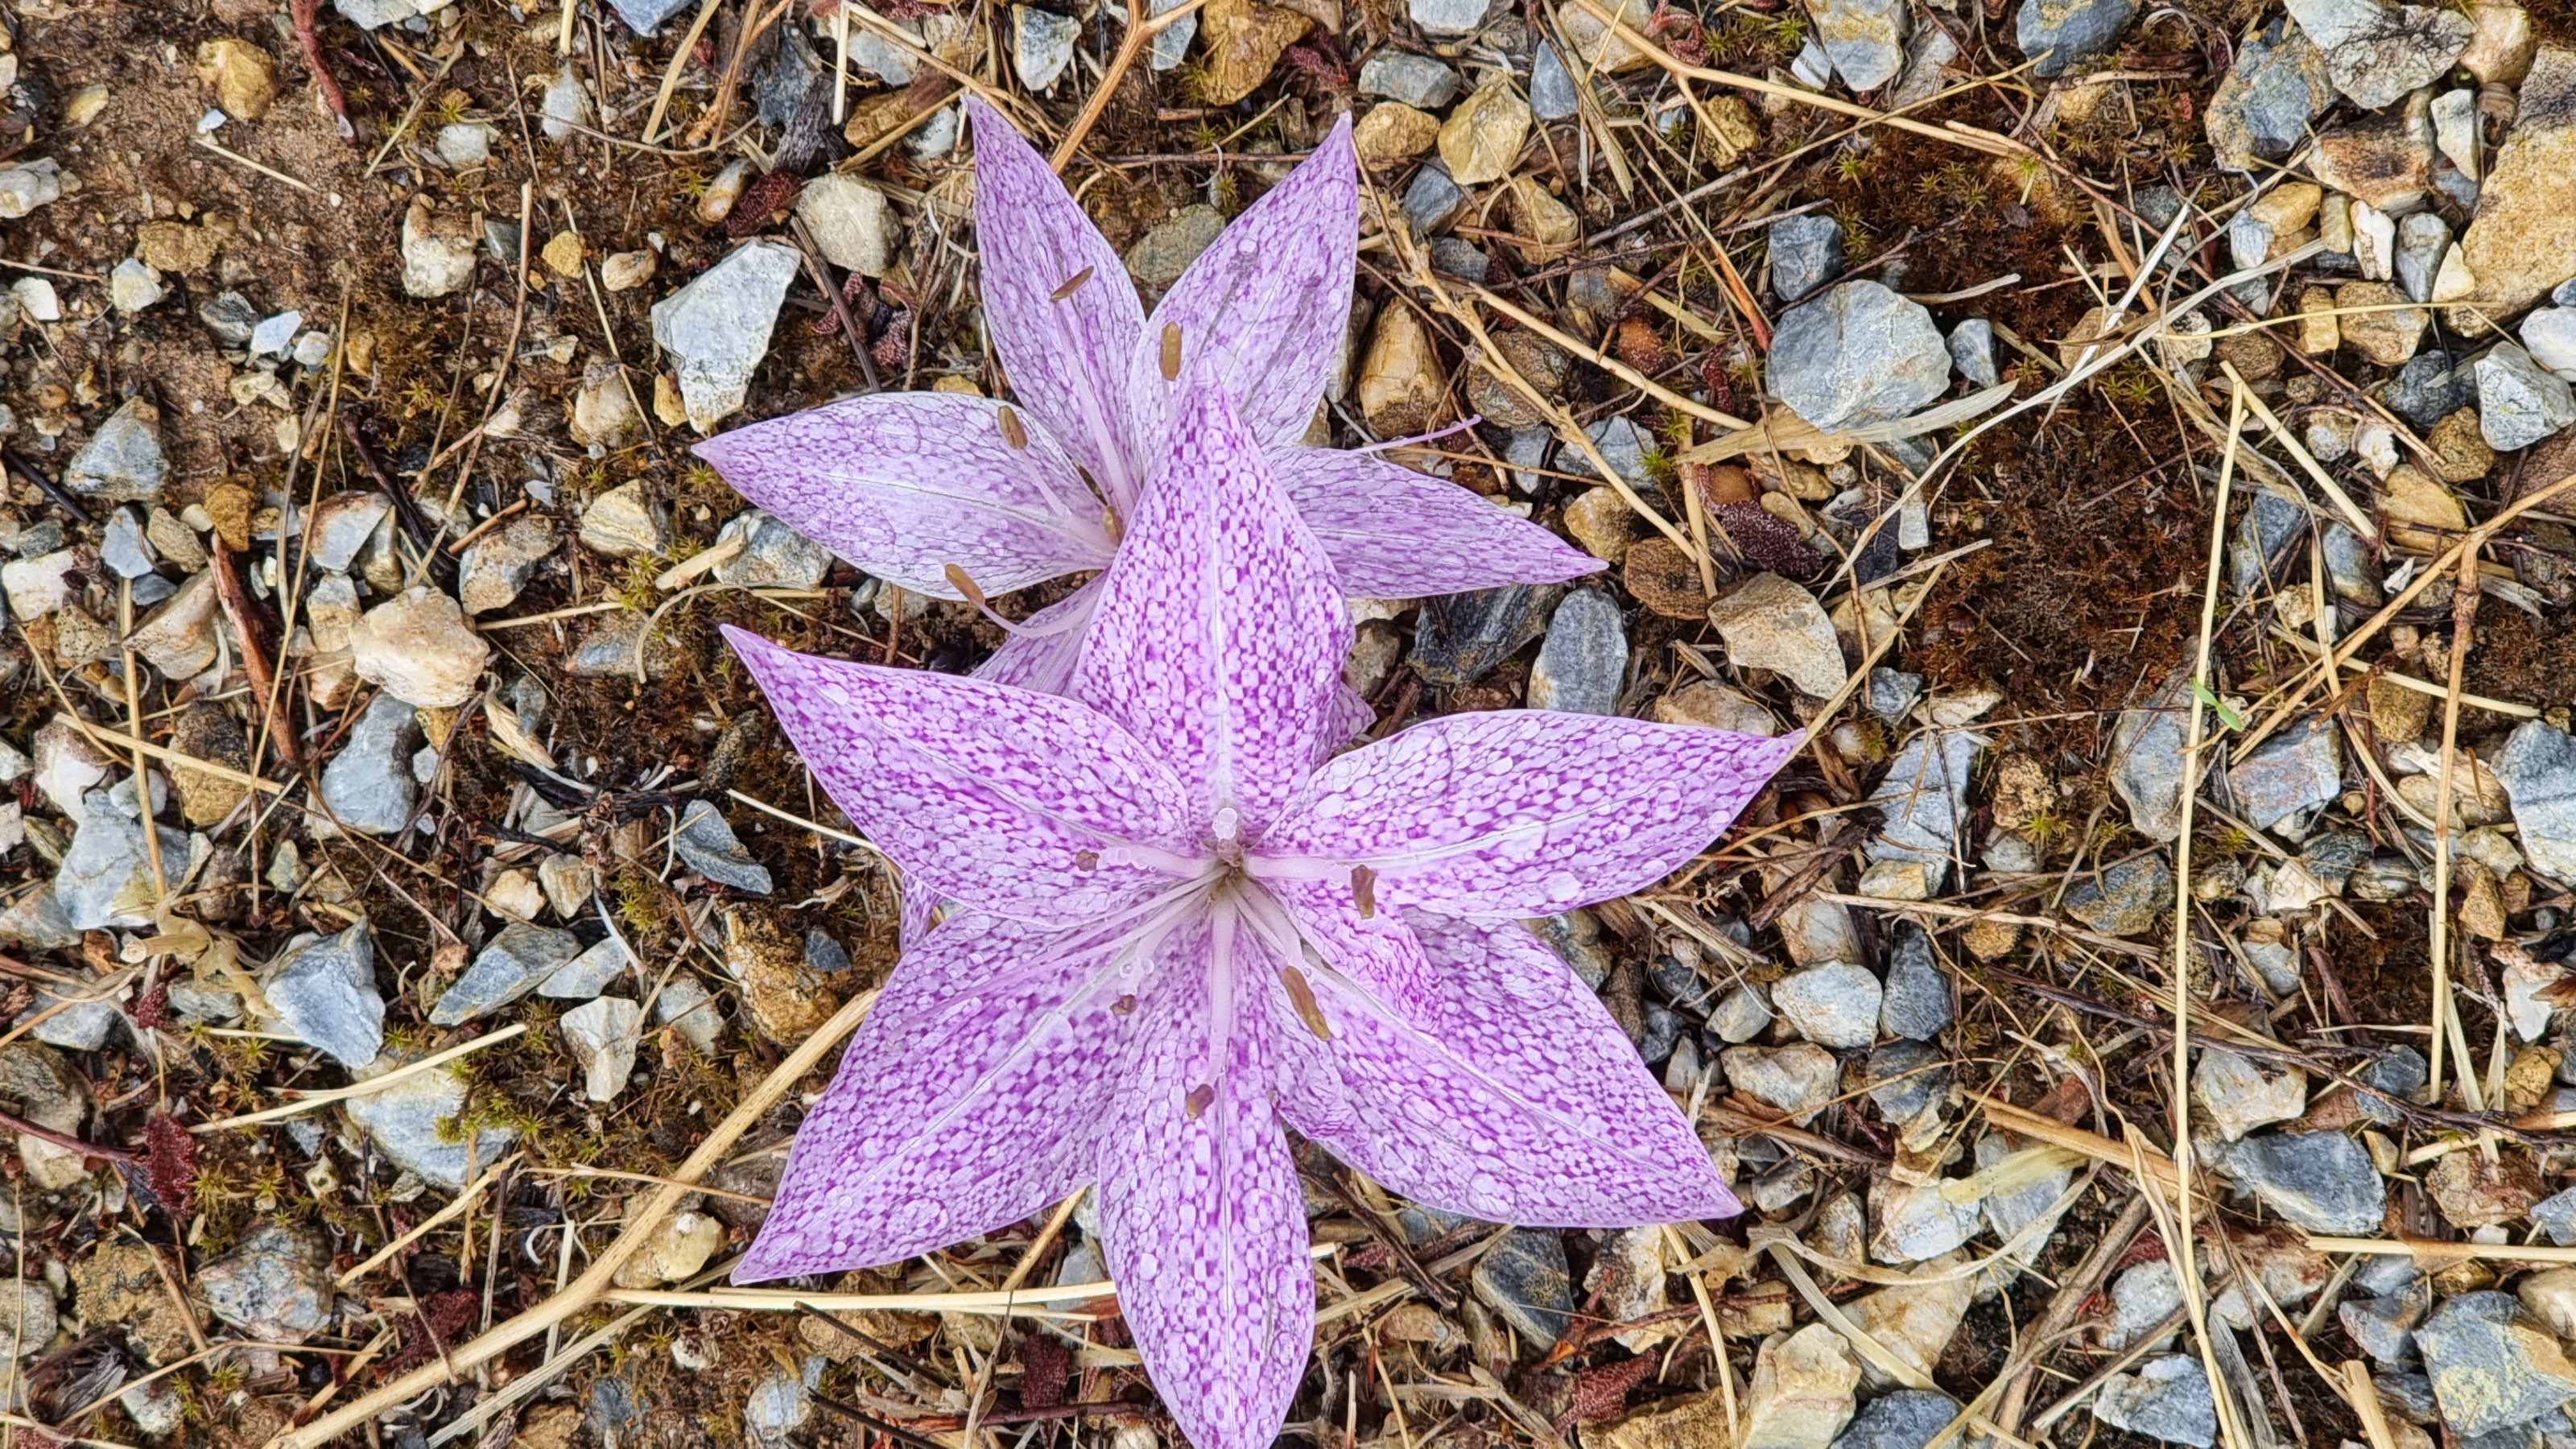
(1397, 534)
(1520, 813)
(1496, 1085)
(1064, 316)
(1262, 311)
(969, 1098)
(906, 484)
(1202, 1223)
(1008, 801)
(1220, 632)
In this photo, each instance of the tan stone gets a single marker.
(562, 254)
(1402, 385)
(2387, 338)
(2410, 497)
(787, 999)
(1602, 522)
(1801, 1395)
(242, 77)
(175, 246)
(1664, 579)
(2460, 452)
(2522, 241)
(2024, 792)
(1916, 1321)
(2475, 1193)
(2501, 48)
(1483, 136)
(2397, 714)
(2387, 162)
(1538, 362)
(1546, 221)
(230, 506)
(1243, 40)
(2481, 902)
(1592, 43)
(1992, 940)
(2320, 331)
(2288, 206)
(1717, 706)
(207, 732)
(1393, 131)
(1693, 1421)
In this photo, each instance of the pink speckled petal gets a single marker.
(1397, 534)
(1519, 813)
(1493, 1084)
(1202, 1223)
(1028, 806)
(1263, 309)
(1220, 635)
(1352, 718)
(1043, 659)
(903, 484)
(1066, 359)
(969, 1098)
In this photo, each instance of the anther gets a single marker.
(1171, 351)
(1086, 859)
(1124, 1006)
(964, 583)
(1198, 1100)
(1302, 996)
(1071, 285)
(1364, 890)
(1110, 521)
(1012, 432)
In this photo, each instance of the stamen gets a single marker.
(1364, 891)
(1124, 1006)
(1086, 859)
(1422, 437)
(1110, 520)
(1012, 432)
(1171, 351)
(964, 583)
(1302, 996)
(1198, 1100)
(1071, 285)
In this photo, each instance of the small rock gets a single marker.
(1716, 706)
(1432, 201)
(1771, 623)
(1915, 1002)
(1402, 384)
(1524, 1279)
(498, 565)
(1553, 93)
(1041, 45)
(1835, 1005)
(1923, 799)
(2522, 240)
(2378, 52)
(276, 1286)
(2537, 768)
(2384, 1327)
(1393, 131)
(1580, 667)
(324, 991)
(465, 144)
(1858, 353)
(368, 785)
(122, 462)
(1163, 254)
(1448, 17)
(1972, 351)
(1459, 638)
(2549, 334)
(1482, 139)
(2492, 1363)
(2422, 240)
(624, 522)
(242, 77)
(710, 848)
(413, 1123)
(566, 104)
(1865, 38)
(2239, 1097)
(341, 525)
(2167, 1398)
(2519, 401)
(2289, 777)
(2321, 1181)
(2387, 338)
(1806, 253)
(1903, 1419)
(437, 251)
(1418, 81)
(419, 648)
(2059, 34)
(2384, 164)
(2127, 899)
(179, 637)
(2475, 1193)
(2428, 388)
(24, 187)
(133, 285)
(602, 1035)
(105, 882)
(717, 327)
(1905, 1077)
(1801, 1395)
(689, 1006)
(852, 223)
(514, 964)
(1245, 39)
(2263, 105)
(1799, 1078)
(587, 974)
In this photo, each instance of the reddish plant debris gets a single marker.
(170, 1164)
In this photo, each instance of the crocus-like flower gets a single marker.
(910, 486)
(1182, 926)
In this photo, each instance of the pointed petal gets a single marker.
(1519, 812)
(1397, 534)
(1066, 358)
(903, 484)
(1262, 311)
(1201, 1220)
(969, 1098)
(1220, 634)
(1352, 718)
(1025, 805)
(1043, 658)
(1490, 1082)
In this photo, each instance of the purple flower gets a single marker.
(1182, 926)
(910, 485)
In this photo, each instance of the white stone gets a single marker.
(134, 285)
(1834, 1005)
(2374, 241)
(1916, 1222)
(602, 1035)
(852, 222)
(1041, 45)
(2455, 129)
(718, 327)
(1801, 1395)
(2239, 1097)
(2550, 335)
(417, 646)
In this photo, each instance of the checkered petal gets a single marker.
(1397, 534)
